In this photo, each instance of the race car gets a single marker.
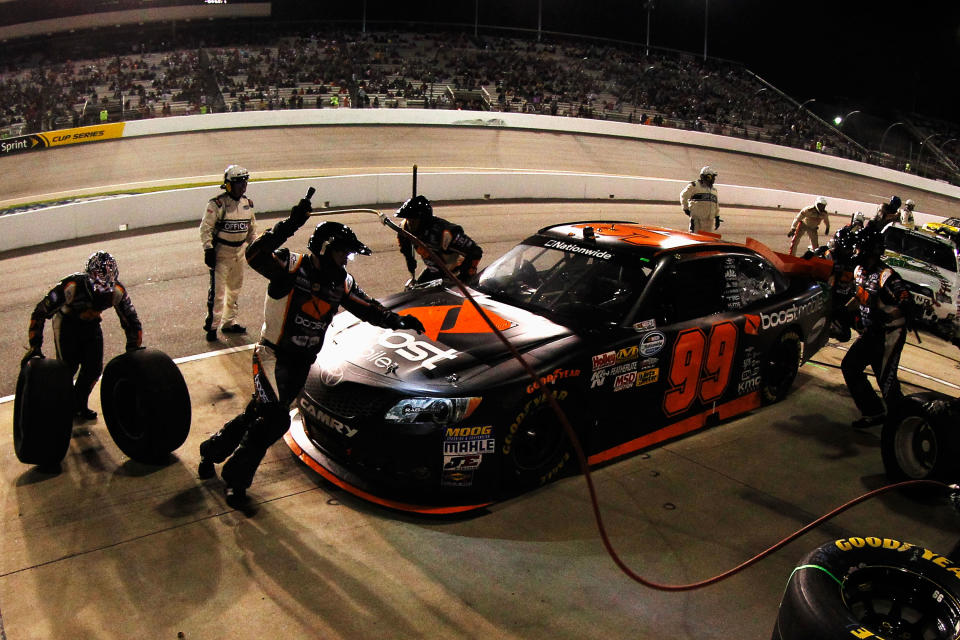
(928, 264)
(640, 334)
(948, 227)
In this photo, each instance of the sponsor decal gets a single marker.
(461, 463)
(331, 376)
(37, 141)
(648, 376)
(892, 544)
(791, 313)
(550, 378)
(751, 325)
(309, 323)
(409, 348)
(652, 343)
(525, 412)
(646, 325)
(456, 478)
(574, 248)
(604, 360)
(648, 363)
(624, 381)
(626, 354)
(326, 419)
(749, 371)
(748, 386)
(598, 378)
(455, 319)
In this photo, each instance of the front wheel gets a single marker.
(780, 367)
(536, 448)
(880, 587)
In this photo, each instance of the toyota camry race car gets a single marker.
(641, 334)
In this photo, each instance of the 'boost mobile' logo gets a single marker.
(408, 347)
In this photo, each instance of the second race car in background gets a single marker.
(641, 334)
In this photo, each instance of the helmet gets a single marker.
(708, 171)
(870, 243)
(910, 204)
(858, 218)
(821, 201)
(336, 236)
(234, 173)
(415, 207)
(894, 203)
(103, 272)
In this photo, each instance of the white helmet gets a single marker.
(821, 201)
(910, 204)
(858, 218)
(708, 171)
(234, 173)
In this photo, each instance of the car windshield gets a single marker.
(914, 245)
(566, 285)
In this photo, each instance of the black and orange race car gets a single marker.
(642, 334)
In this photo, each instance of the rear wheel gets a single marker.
(146, 404)
(780, 367)
(43, 412)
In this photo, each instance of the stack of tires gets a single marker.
(143, 398)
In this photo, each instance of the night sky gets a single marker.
(872, 55)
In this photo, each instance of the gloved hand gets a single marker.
(716, 223)
(210, 257)
(791, 233)
(31, 352)
(300, 212)
(687, 211)
(411, 322)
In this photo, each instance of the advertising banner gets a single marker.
(35, 141)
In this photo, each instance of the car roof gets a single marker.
(918, 232)
(622, 236)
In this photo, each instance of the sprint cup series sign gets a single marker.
(36, 141)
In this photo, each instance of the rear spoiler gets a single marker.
(816, 268)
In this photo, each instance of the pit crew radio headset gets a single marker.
(952, 489)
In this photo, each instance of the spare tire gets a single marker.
(43, 412)
(146, 404)
(918, 446)
(870, 587)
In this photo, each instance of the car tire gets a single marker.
(918, 446)
(536, 448)
(43, 412)
(888, 588)
(146, 404)
(780, 367)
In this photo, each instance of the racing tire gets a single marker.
(918, 446)
(145, 404)
(43, 412)
(869, 587)
(780, 367)
(536, 448)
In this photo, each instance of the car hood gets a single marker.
(920, 272)
(457, 340)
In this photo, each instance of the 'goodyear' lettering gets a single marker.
(527, 409)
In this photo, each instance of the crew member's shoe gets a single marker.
(236, 497)
(86, 414)
(212, 335)
(206, 470)
(234, 328)
(864, 422)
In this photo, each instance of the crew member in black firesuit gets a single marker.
(303, 294)
(76, 305)
(447, 240)
(843, 248)
(886, 311)
(886, 213)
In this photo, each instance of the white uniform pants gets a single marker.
(225, 282)
(804, 230)
(702, 221)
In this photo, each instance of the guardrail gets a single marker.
(128, 212)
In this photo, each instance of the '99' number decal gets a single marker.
(701, 366)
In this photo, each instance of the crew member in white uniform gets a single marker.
(906, 214)
(699, 201)
(807, 223)
(228, 226)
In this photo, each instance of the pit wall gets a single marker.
(129, 212)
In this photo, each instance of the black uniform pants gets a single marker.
(278, 380)
(79, 344)
(880, 349)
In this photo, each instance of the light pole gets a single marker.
(476, 16)
(884, 137)
(920, 153)
(649, 6)
(539, 18)
(706, 13)
(805, 103)
(838, 121)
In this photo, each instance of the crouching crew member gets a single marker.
(304, 292)
(807, 223)
(886, 310)
(76, 305)
(456, 249)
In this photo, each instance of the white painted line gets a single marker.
(199, 356)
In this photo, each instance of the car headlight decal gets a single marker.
(438, 410)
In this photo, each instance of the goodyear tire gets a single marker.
(870, 587)
(917, 446)
(43, 412)
(780, 367)
(145, 404)
(536, 448)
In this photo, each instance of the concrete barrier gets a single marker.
(129, 212)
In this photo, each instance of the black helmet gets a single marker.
(415, 207)
(892, 206)
(103, 272)
(336, 236)
(870, 243)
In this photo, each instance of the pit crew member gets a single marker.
(456, 249)
(807, 223)
(700, 203)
